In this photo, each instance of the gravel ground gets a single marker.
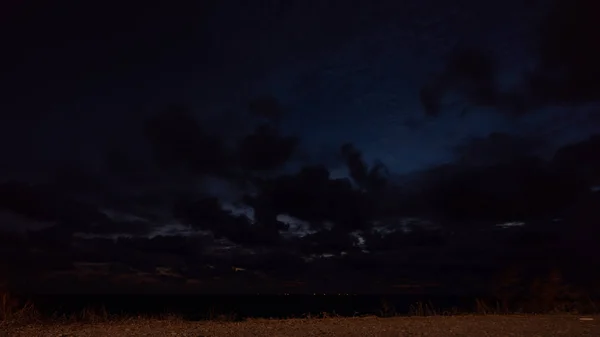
(481, 326)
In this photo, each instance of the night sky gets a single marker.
(159, 147)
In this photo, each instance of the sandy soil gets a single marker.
(481, 326)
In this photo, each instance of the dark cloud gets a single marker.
(369, 217)
(581, 160)
(311, 195)
(523, 190)
(497, 148)
(473, 72)
(116, 227)
(371, 178)
(494, 180)
(43, 203)
(566, 72)
(401, 240)
(470, 72)
(126, 167)
(178, 141)
(267, 107)
(207, 213)
(327, 242)
(431, 96)
(185, 247)
(266, 149)
(491, 183)
(568, 54)
(127, 196)
(68, 214)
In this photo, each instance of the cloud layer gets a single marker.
(212, 207)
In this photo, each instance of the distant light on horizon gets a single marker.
(511, 224)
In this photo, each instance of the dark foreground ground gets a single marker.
(481, 326)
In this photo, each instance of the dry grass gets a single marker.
(15, 312)
(19, 318)
(424, 320)
(434, 326)
(541, 293)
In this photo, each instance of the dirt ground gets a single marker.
(481, 326)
